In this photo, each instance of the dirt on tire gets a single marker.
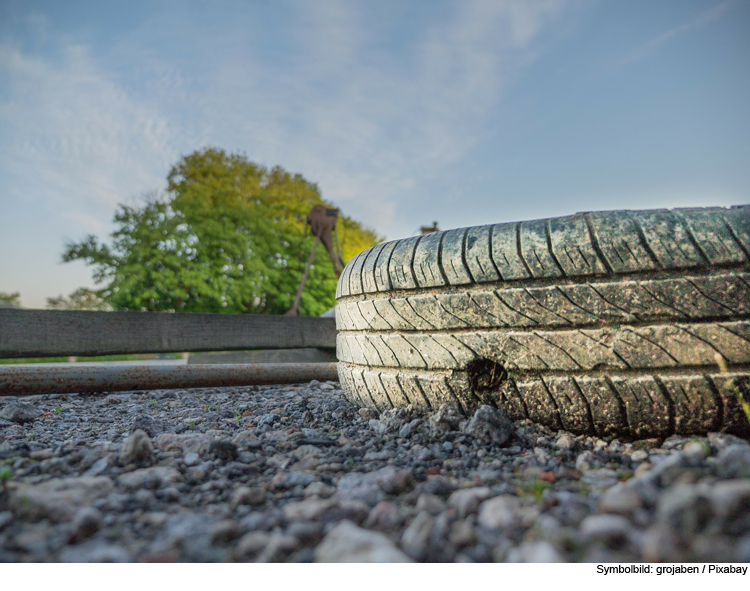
(627, 323)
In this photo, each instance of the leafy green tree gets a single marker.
(81, 299)
(10, 300)
(229, 236)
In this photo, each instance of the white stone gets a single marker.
(319, 489)
(192, 459)
(466, 500)
(499, 512)
(348, 543)
(535, 552)
(308, 510)
(607, 528)
(137, 449)
(58, 499)
(154, 477)
(416, 537)
(620, 500)
(566, 442)
(639, 455)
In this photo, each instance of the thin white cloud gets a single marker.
(368, 124)
(699, 21)
(371, 126)
(75, 137)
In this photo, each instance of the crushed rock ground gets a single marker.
(299, 474)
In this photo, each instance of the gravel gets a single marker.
(299, 474)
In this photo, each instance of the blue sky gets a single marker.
(465, 112)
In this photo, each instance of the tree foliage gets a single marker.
(228, 236)
(81, 299)
(10, 300)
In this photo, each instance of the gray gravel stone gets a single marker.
(137, 449)
(87, 522)
(154, 477)
(500, 512)
(148, 424)
(319, 489)
(609, 529)
(57, 500)
(192, 459)
(20, 412)
(490, 425)
(620, 500)
(248, 496)
(466, 500)
(348, 543)
(226, 451)
(95, 551)
(446, 418)
(433, 504)
(735, 461)
(639, 455)
(6, 517)
(730, 504)
(416, 538)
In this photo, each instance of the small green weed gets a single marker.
(535, 489)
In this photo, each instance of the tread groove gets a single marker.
(513, 309)
(381, 317)
(397, 313)
(556, 414)
(644, 241)
(556, 346)
(419, 315)
(670, 404)
(596, 246)
(519, 252)
(620, 404)
(589, 414)
(385, 390)
(718, 401)
(538, 303)
(440, 259)
(693, 239)
(442, 307)
(657, 345)
(708, 297)
(707, 343)
(464, 260)
(736, 238)
(589, 410)
(367, 388)
(411, 260)
(421, 391)
(548, 237)
(460, 404)
(661, 301)
(491, 257)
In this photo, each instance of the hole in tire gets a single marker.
(486, 375)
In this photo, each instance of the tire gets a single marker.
(626, 323)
